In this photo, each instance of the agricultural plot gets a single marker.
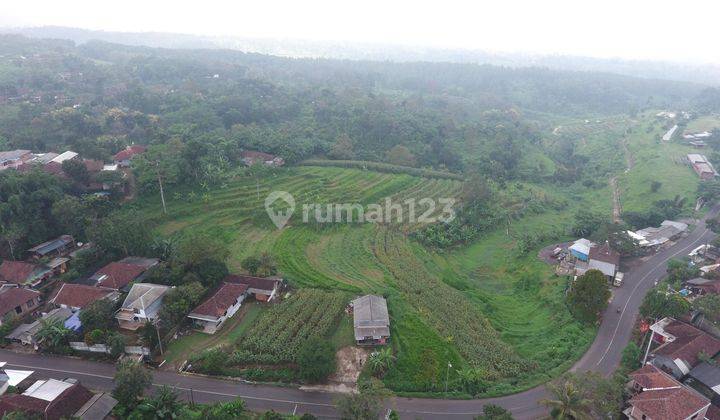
(457, 306)
(281, 331)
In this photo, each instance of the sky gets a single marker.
(632, 29)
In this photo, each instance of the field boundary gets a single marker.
(382, 167)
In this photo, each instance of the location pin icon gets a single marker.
(279, 217)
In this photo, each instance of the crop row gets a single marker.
(280, 332)
(449, 312)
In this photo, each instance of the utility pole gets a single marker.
(447, 376)
(162, 192)
(652, 335)
(157, 330)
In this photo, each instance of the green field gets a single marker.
(659, 161)
(462, 306)
(491, 306)
(703, 123)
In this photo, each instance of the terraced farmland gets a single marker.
(440, 306)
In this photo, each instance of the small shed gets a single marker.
(580, 249)
(371, 320)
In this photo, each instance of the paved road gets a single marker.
(603, 356)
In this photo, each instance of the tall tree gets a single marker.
(588, 296)
(568, 402)
(131, 381)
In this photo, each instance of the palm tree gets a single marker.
(164, 405)
(53, 334)
(569, 403)
(381, 360)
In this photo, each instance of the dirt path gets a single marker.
(629, 164)
(617, 210)
(629, 158)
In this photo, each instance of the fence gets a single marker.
(102, 348)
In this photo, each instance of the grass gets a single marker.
(703, 123)
(461, 306)
(659, 161)
(181, 349)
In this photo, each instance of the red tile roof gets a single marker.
(649, 376)
(260, 283)
(224, 298)
(79, 295)
(118, 274)
(129, 152)
(93, 165)
(12, 297)
(54, 168)
(689, 342)
(672, 403)
(605, 254)
(17, 272)
(64, 406)
(713, 413)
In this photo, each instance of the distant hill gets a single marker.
(692, 72)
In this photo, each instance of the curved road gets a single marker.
(603, 356)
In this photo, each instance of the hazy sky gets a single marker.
(658, 29)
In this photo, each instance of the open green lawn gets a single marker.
(659, 161)
(703, 123)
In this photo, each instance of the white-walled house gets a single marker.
(141, 305)
(210, 315)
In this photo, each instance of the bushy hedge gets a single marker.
(382, 167)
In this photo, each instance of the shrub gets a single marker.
(316, 359)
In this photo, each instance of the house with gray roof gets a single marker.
(141, 305)
(371, 320)
(27, 333)
(14, 158)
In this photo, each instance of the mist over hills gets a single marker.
(708, 74)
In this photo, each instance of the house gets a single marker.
(124, 157)
(261, 288)
(17, 301)
(14, 158)
(371, 321)
(27, 333)
(702, 166)
(98, 407)
(211, 314)
(580, 249)
(655, 236)
(78, 296)
(705, 378)
(602, 258)
(680, 347)
(93, 166)
(58, 247)
(53, 399)
(44, 158)
(250, 158)
(141, 305)
(12, 377)
(704, 253)
(701, 286)
(24, 273)
(667, 136)
(62, 157)
(658, 396)
(117, 275)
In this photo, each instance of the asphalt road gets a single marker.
(603, 356)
